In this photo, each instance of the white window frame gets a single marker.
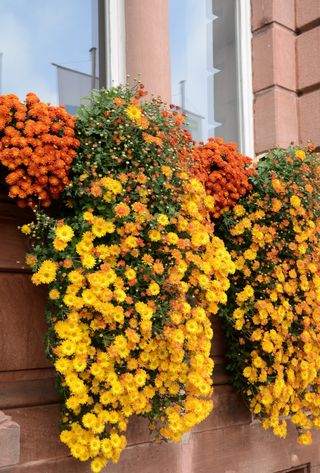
(115, 42)
(244, 69)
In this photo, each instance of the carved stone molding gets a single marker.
(9, 443)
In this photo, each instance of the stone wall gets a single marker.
(227, 442)
(286, 72)
(308, 67)
(274, 73)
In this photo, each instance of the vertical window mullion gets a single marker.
(244, 72)
(112, 56)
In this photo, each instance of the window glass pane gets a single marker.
(203, 65)
(36, 33)
(225, 64)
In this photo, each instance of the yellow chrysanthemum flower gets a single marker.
(46, 273)
(163, 219)
(300, 154)
(54, 294)
(154, 235)
(26, 229)
(133, 112)
(64, 233)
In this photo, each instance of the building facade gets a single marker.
(268, 64)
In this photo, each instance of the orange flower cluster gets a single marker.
(223, 171)
(37, 146)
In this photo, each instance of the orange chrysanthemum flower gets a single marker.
(37, 146)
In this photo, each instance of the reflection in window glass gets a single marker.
(36, 33)
(203, 65)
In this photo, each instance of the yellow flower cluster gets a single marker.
(276, 296)
(136, 293)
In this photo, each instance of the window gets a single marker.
(33, 35)
(211, 67)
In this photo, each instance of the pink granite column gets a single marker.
(147, 45)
